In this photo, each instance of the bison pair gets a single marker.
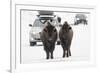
(49, 37)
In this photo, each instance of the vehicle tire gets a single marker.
(76, 23)
(58, 42)
(79, 21)
(85, 22)
(32, 43)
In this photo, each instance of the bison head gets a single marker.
(51, 32)
(66, 27)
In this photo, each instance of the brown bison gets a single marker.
(65, 35)
(49, 37)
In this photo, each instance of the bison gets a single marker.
(49, 37)
(65, 35)
(59, 19)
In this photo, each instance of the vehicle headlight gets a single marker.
(31, 38)
(77, 19)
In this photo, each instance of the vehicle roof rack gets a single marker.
(45, 12)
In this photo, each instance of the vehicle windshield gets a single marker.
(38, 23)
(81, 16)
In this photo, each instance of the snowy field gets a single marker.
(80, 47)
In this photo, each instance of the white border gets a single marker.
(15, 35)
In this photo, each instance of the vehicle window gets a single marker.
(37, 23)
(81, 16)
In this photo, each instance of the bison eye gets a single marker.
(54, 30)
(45, 30)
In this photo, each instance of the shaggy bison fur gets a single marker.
(65, 35)
(49, 37)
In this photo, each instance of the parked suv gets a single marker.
(39, 24)
(80, 18)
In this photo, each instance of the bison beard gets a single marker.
(49, 37)
(65, 35)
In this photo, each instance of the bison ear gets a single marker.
(45, 29)
(69, 28)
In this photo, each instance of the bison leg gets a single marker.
(64, 53)
(47, 54)
(52, 55)
(52, 49)
(69, 52)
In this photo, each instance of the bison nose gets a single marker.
(50, 40)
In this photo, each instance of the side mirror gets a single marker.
(60, 25)
(30, 25)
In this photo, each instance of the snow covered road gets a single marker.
(80, 48)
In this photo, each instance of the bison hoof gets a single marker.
(51, 57)
(67, 55)
(47, 58)
(64, 56)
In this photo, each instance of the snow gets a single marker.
(80, 47)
